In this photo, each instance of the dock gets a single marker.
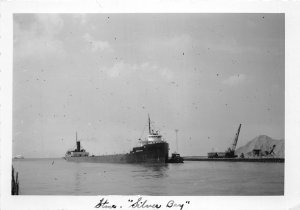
(204, 158)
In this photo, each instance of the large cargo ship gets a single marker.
(151, 150)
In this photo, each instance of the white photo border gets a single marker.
(291, 198)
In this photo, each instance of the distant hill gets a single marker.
(264, 143)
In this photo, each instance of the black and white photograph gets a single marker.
(149, 109)
(154, 104)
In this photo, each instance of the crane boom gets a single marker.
(272, 149)
(236, 138)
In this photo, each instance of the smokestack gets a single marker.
(78, 146)
(77, 143)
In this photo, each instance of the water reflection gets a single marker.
(77, 180)
(149, 171)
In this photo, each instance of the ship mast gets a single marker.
(149, 124)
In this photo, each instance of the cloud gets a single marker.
(141, 70)
(235, 79)
(40, 47)
(49, 24)
(81, 18)
(97, 45)
(167, 74)
(122, 68)
(116, 69)
(182, 40)
(39, 38)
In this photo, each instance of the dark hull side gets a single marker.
(150, 153)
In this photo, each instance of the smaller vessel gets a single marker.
(175, 158)
(19, 157)
(78, 152)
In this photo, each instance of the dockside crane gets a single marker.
(230, 153)
(271, 152)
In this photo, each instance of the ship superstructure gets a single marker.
(78, 152)
(153, 136)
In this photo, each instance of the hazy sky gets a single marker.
(101, 74)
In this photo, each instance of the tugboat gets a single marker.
(175, 158)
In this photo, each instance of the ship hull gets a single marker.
(150, 153)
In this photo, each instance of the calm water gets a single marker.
(41, 177)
